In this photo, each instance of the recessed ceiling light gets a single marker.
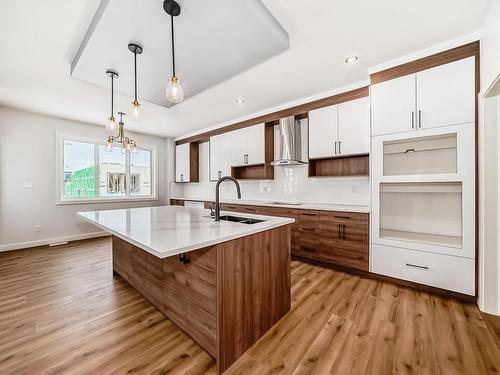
(351, 59)
(240, 100)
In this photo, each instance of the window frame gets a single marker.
(61, 200)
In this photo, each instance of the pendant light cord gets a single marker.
(135, 73)
(173, 44)
(112, 91)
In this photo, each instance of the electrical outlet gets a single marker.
(36, 228)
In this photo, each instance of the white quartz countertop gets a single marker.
(171, 230)
(284, 204)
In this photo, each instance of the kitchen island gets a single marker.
(223, 283)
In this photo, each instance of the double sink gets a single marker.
(239, 219)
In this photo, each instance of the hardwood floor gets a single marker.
(62, 312)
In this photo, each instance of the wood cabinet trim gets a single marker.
(437, 59)
(271, 117)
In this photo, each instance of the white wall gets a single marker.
(289, 184)
(489, 165)
(490, 47)
(27, 154)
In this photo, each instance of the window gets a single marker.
(90, 173)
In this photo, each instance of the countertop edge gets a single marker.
(280, 223)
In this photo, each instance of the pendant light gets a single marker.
(174, 91)
(126, 143)
(111, 124)
(136, 50)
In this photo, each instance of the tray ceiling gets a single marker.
(215, 40)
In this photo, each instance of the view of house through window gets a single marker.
(92, 172)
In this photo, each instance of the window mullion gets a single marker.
(127, 174)
(96, 170)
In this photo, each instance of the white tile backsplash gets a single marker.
(290, 184)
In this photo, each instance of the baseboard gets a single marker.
(48, 241)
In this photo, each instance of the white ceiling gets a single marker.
(215, 40)
(43, 37)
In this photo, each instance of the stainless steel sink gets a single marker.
(239, 219)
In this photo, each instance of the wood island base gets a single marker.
(225, 297)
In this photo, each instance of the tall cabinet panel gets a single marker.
(423, 177)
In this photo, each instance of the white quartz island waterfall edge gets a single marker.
(166, 231)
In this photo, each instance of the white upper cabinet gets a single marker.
(354, 127)
(237, 148)
(393, 105)
(340, 130)
(446, 94)
(182, 163)
(215, 158)
(247, 145)
(255, 142)
(323, 132)
(440, 96)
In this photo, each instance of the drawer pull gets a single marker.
(308, 249)
(417, 266)
(409, 150)
(342, 217)
(183, 258)
(309, 214)
(309, 229)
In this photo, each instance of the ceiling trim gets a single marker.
(93, 24)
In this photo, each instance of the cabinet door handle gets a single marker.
(340, 231)
(182, 177)
(419, 118)
(335, 148)
(413, 119)
(339, 148)
(183, 258)
(219, 174)
(417, 266)
(247, 158)
(343, 231)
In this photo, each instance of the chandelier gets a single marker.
(120, 139)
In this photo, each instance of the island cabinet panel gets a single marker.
(225, 297)
(247, 306)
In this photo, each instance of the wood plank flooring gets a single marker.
(62, 312)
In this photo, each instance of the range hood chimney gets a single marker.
(292, 135)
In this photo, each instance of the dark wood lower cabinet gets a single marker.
(336, 238)
(225, 297)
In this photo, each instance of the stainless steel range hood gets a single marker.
(292, 141)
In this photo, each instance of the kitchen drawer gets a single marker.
(280, 212)
(194, 289)
(437, 270)
(200, 263)
(306, 245)
(345, 257)
(309, 216)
